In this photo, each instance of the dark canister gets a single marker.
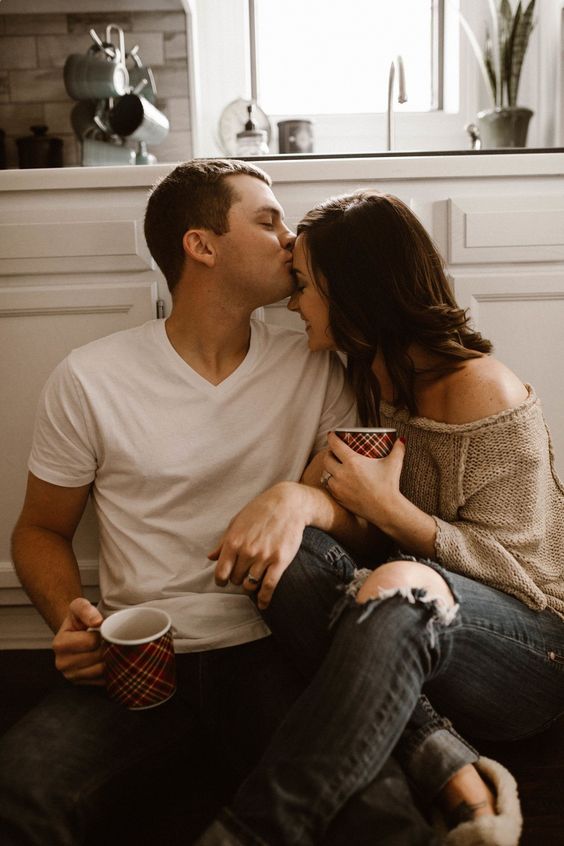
(295, 136)
(40, 149)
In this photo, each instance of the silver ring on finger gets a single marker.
(252, 579)
(324, 480)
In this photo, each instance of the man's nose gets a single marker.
(288, 239)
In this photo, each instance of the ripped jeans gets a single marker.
(368, 671)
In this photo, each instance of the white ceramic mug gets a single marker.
(94, 76)
(134, 117)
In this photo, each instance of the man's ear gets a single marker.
(198, 245)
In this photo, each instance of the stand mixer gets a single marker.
(116, 102)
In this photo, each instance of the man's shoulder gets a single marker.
(113, 348)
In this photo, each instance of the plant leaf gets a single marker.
(505, 25)
(496, 54)
(488, 59)
(479, 56)
(511, 53)
(520, 44)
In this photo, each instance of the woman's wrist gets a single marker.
(411, 528)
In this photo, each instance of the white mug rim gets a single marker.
(369, 429)
(129, 612)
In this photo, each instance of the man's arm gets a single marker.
(324, 512)
(264, 537)
(47, 568)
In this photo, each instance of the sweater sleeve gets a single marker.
(503, 480)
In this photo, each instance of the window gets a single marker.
(294, 68)
(329, 56)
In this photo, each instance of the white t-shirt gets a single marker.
(173, 458)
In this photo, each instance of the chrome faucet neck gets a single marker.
(402, 97)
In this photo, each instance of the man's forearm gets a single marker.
(48, 570)
(356, 534)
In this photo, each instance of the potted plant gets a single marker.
(501, 61)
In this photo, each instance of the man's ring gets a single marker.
(325, 476)
(252, 579)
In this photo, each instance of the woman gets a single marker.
(469, 610)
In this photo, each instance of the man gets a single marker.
(172, 427)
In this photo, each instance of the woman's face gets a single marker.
(309, 301)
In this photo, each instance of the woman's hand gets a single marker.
(369, 487)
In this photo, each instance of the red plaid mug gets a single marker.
(139, 657)
(374, 443)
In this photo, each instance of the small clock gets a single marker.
(233, 119)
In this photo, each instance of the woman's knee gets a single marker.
(400, 576)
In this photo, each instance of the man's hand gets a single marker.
(261, 541)
(78, 652)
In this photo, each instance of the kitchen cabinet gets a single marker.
(74, 266)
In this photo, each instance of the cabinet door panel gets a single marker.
(523, 315)
(38, 327)
(524, 228)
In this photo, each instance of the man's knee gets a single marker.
(401, 576)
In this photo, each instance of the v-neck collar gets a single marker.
(183, 369)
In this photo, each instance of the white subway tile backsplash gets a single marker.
(151, 46)
(42, 85)
(158, 22)
(78, 24)
(4, 87)
(175, 45)
(53, 50)
(16, 118)
(176, 109)
(172, 80)
(33, 51)
(57, 117)
(18, 52)
(34, 24)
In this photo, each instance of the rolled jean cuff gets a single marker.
(434, 760)
(227, 830)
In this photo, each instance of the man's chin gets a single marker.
(278, 296)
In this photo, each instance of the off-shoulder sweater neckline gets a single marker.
(501, 417)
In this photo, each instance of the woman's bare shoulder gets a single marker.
(481, 387)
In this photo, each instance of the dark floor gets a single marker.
(537, 763)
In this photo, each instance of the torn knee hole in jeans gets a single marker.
(439, 609)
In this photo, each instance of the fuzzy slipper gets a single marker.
(504, 828)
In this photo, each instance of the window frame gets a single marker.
(221, 73)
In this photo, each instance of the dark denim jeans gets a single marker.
(497, 670)
(66, 767)
(80, 769)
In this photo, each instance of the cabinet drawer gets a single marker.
(505, 229)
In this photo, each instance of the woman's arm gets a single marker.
(369, 488)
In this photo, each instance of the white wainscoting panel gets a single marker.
(522, 313)
(78, 245)
(506, 229)
(39, 325)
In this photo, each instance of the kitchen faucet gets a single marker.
(402, 96)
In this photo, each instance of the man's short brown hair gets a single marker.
(194, 195)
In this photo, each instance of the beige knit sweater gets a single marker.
(493, 491)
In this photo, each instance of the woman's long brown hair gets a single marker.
(387, 289)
